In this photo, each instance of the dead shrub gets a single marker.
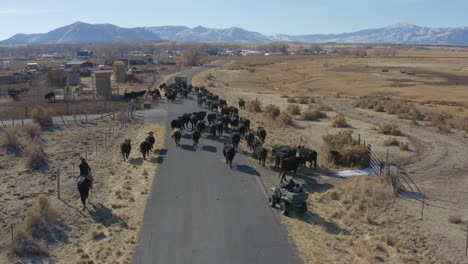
(33, 130)
(255, 106)
(339, 121)
(391, 142)
(292, 100)
(35, 155)
(42, 116)
(313, 115)
(464, 125)
(120, 116)
(455, 219)
(404, 146)
(272, 111)
(388, 129)
(351, 153)
(285, 119)
(41, 222)
(10, 138)
(303, 100)
(293, 109)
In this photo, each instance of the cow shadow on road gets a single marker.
(212, 149)
(188, 147)
(246, 169)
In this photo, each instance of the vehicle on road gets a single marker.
(288, 201)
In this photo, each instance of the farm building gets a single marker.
(74, 76)
(80, 63)
(85, 54)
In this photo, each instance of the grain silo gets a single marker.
(73, 76)
(7, 65)
(103, 83)
(119, 71)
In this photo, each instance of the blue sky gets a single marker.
(268, 17)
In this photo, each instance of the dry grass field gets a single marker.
(58, 230)
(414, 105)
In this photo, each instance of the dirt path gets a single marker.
(438, 159)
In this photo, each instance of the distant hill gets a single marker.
(80, 32)
(395, 34)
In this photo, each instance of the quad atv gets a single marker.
(288, 200)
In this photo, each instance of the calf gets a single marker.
(125, 149)
(229, 152)
(289, 164)
(176, 124)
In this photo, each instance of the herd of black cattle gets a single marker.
(216, 119)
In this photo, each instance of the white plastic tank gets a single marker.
(7, 65)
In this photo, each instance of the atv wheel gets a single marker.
(303, 208)
(284, 207)
(272, 201)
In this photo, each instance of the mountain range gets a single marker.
(80, 32)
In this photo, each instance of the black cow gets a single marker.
(176, 124)
(150, 138)
(289, 164)
(211, 118)
(308, 155)
(241, 103)
(282, 152)
(193, 121)
(250, 137)
(235, 139)
(195, 137)
(176, 135)
(220, 128)
(201, 126)
(261, 153)
(213, 130)
(49, 97)
(242, 130)
(145, 147)
(14, 94)
(229, 152)
(125, 149)
(84, 185)
(261, 133)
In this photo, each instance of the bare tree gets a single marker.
(193, 56)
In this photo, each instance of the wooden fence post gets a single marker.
(466, 243)
(422, 208)
(58, 184)
(12, 236)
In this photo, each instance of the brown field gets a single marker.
(105, 234)
(359, 220)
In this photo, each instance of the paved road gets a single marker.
(200, 211)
